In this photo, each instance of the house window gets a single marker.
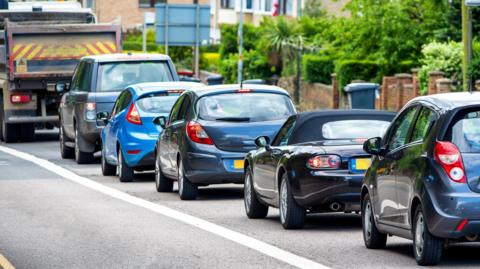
(266, 5)
(249, 4)
(150, 3)
(227, 4)
(288, 7)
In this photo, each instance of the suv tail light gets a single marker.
(20, 98)
(197, 134)
(133, 116)
(90, 113)
(324, 162)
(449, 157)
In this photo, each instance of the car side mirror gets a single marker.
(103, 116)
(61, 87)
(263, 142)
(373, 146)
(160, 121)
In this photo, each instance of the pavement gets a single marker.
(52, 221)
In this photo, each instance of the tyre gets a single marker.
(27, 132)
(427, 248)
(292, 216)
(162, 183)
(9, 132)
(253, 207)
(107, 169)
(186, 189)
(125, 173)
(65, 151)
(373, 238)
(80, 156)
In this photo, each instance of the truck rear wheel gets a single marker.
(27, 132)
(8, 132)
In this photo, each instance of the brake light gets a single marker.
(244, 91)
(324, 162)
(462, 225)
(133, 151)
(90, 111)
(20, 98)
(133, 116)
(174, 91)
(448, 155)
(197, 134)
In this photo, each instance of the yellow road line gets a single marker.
(4, 263)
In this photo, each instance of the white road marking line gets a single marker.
(210, 227)
(4, 263)
(4, 163)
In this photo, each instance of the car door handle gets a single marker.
(276, 152)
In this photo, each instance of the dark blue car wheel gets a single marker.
(162, 183)
(373, 238)
(186, 189)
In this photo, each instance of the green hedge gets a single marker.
(138, 46)
(317, 68)
(350, 70)
(255, 66)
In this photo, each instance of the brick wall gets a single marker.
(313, 96)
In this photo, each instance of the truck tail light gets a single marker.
(324, 162)
(133, 116)
(449, 157)
(197, 134)
(20, 98)
(90, 113)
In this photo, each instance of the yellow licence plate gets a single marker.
(362, 164)
(238, 164)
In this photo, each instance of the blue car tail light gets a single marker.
(448, 155)
(133, 116)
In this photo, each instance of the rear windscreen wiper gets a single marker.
(233, 119)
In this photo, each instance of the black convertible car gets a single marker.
(314, 164)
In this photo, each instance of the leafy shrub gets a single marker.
(255, 66)
(445, 57)
(317, 68)
(229, 43)
(138, 46)
(210, 61)
(350, 70)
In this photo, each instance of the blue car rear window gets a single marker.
(157, 103)
(465, 132)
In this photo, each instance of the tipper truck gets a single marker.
(40, 45)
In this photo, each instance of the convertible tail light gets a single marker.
(197, 134)
(133, 116)
(448, 155)
(20, 98)
(324, 162)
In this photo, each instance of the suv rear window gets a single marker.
(245, 107)
(116, 76)
(465, 131)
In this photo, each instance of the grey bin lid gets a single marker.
(363, 86)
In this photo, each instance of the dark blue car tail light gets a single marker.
(197, 134)
(462, 225)
(324, 162)
(449, 157)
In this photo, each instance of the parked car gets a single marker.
(129, 137)
(314, 164)
(210, 130)
(96, 84)
(423, 183)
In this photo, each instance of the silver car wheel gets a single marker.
(283, 201)
(419, 235)
(180, 178)
(368, 219)
(120, 163)
(157, 174)
(248, 193)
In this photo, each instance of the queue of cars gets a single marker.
(417, 178)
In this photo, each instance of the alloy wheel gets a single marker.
(283, 201)
(120, 163)
(419, 235)
(180, 177)
(157, 174)
(368, 219)
(247, 192)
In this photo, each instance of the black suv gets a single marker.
(96, 84)
(424, 181)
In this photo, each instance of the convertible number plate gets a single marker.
(360, 164)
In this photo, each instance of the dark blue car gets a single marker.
(210, 130)
(424, 181)
(128, 139)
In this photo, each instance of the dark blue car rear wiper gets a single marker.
(233, 119)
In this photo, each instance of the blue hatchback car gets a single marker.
(129, 137)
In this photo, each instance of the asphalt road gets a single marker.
(47, 221)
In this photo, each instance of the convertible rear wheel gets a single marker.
(292, 216)
(253, 207)
(371, 236)
(426, 247)
(186, 189)
(162, 183)
(125, 173)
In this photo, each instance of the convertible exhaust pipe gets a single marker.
(472, 237)
(335, 206)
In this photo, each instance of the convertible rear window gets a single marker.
(160, 103)
(245, 107)
(465, 132)
(351, 129)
